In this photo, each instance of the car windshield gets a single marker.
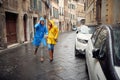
(91, 30)
(116, 41)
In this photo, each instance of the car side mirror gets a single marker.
(95, 53)
(77, 32)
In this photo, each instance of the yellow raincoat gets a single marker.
(52, 33)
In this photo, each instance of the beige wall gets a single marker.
(80, 14)
(61, 15)
(21, 8)
(110, 12)
(72, 12)
(55, 5)
(90, 13)
(66, 15)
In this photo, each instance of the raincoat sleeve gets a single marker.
(46, 30)
(57, 32)
(36, 25)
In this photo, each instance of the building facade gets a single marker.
(72, 13)
(54, 11)
(110, 14)
(61, 16)
(80, 14)
(90, 12)
(17, 20)
(102, 11)
(66, 16)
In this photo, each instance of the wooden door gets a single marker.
(11, 28)
(25, 28)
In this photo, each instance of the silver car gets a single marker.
(103, 53)
(82, 38)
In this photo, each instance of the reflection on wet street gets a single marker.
(20, 63)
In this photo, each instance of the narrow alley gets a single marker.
(21, 64)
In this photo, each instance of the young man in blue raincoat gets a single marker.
(39, 37)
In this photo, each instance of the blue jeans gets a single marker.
(50, 46)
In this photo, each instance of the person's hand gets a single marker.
(56, 40)
(45, 36)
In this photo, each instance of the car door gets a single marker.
(100, 44)
(96, 72)
(89, 56)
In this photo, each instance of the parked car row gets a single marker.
(102, 53)
(82, 38)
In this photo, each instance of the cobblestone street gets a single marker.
(21, 64)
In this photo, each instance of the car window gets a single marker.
(101, 38)
(91, 30)
(116, 40)
(84, 29)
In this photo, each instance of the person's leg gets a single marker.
(51, 54)
(42, 53)
(36, 49)
(50, 51)
(36, 43)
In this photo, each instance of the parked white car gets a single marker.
(83, 34)
(103, 53)
(74, 28)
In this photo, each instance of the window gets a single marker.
(116, 40)
(55, 13)
(73, 6)
(31, 5)
(101, 38)
(35, 4)
(40, 5)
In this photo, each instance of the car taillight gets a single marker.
(82, 41)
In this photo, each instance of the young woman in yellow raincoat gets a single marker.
(52, 38)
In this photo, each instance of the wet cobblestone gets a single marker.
(20, 64)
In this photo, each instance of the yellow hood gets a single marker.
(52, 33)
(52, 22)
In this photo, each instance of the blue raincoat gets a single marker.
(40, 31)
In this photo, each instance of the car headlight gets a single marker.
(82, 41)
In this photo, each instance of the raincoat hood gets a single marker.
(42, 19)
(52, 22)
